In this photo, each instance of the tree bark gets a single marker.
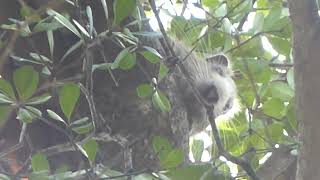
(306, 44)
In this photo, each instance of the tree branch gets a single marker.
(278, 164)
(245, 165)
(239, 161)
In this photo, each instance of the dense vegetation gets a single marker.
(255, 34)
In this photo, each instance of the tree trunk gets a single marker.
(306, 46)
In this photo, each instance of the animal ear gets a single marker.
(219, 59)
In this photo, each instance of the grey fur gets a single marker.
(212, 78)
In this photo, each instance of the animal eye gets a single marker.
(219, 71)
(228, 105)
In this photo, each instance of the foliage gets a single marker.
(256, 35)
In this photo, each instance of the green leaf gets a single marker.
(122, 9)
(161, 146)
(50, 41)
(259, 69)
(39, 58)
(276, 132)
(213, 40)
(47, 26)
(248, 96)
(272, 18)
(55, 116)
(258, 22)
(24, 32)
(281, 90)
(252, 48)
(105, 9)
(239, 9)
(161, 101)
(228, 43)
(231, 141)
(68, 97)
(20, 59)
(29, 13)
(228, 27)
(82, 150)
(173, 159)
(71, 49)
(90, 19)
(127, 36)
(262, 3)
(144, 90)
(290, 78)
(82, 29)
(125, 60)
(163, 71)
(26, 81)
(46, 71)
(151, 55)
(274, 108)
(139, 19)
(291, 117)
(28, 114)
(39, 162)
(197, 149)
(128, 62)
(6, 88)
(221, 10)
(82, 126)
(4, 99)
(91, 148)
(186, 30)
(64, 21)
(212, 4)
(4, 114)
(282, 46)
(282, 28)
(39, 99)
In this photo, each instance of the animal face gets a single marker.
(218, 88)
(212, 78)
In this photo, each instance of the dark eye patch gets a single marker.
(210, 94)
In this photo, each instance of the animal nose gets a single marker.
(211, 94)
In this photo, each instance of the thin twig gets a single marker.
(8, 50)
(92, 107)
(70, 139)
(281, 65)
(252, 83)
(251, 38)
(11, 149)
